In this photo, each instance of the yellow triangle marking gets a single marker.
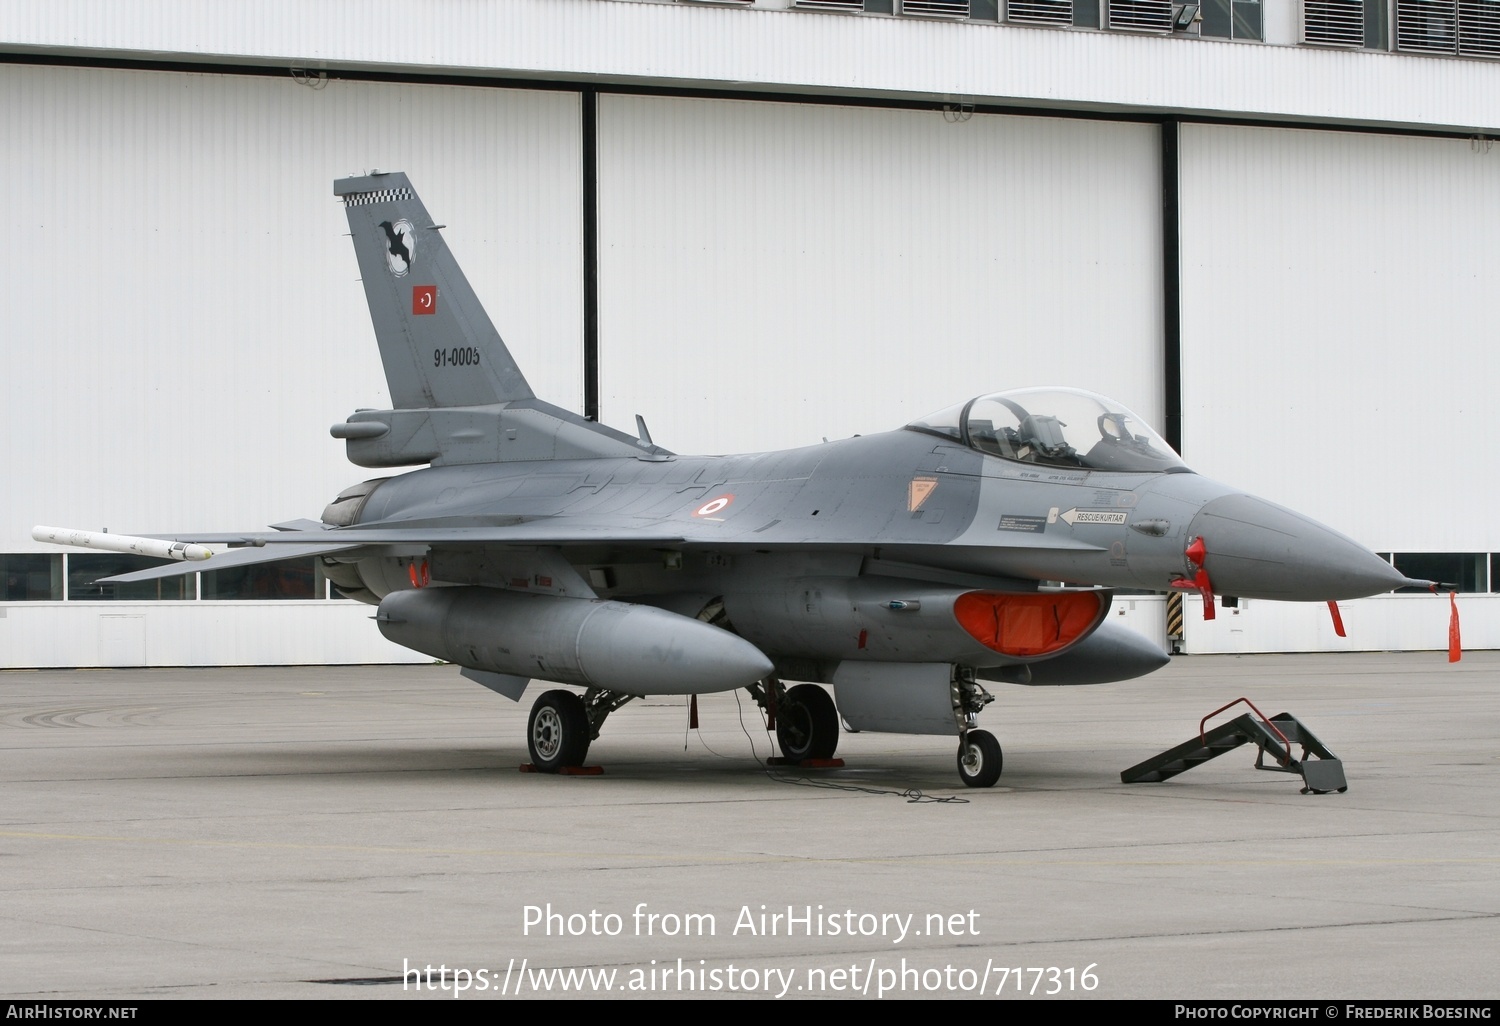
(917, 492)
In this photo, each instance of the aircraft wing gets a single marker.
(552, 532)
(292, 544)
(539, 532)
(234, 557)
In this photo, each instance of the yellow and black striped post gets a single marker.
(1174, 616)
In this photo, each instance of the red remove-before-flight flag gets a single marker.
(1455, 645)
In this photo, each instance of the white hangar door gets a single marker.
(1339, 356)
(186, 317)
(190, 288)
(774, 273)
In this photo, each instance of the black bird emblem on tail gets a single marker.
(400, 242)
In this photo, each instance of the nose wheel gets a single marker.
(979, 758)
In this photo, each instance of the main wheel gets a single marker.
(807, 724)
(979, 759)
(557, 734)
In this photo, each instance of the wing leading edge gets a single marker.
(551, 532)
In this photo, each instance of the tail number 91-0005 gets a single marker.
(461, 356)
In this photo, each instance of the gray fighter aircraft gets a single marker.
(978, 544)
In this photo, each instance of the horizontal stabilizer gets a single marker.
(300, 524)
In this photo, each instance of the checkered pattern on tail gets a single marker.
(358, 199)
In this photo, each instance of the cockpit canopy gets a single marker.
(1055, 427)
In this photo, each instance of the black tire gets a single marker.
(980, 759)
(807, 724)
(557, 732)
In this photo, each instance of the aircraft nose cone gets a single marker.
(1257, 549)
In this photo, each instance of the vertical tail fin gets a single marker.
(457, 393)
(437, 343)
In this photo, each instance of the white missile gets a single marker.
(121, 543)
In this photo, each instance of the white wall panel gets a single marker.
(182, 316)
(1144, 614)
(1385, 623)
(55, 634)
(773, 273)
(1339, 328)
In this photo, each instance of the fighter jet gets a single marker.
(906, 569)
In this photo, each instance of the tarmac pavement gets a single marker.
(318, 832)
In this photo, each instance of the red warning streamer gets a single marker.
(1338, 621)
(1455, 646)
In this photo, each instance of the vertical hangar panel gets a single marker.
(774, 273)
(185, 317)
(1338, 328)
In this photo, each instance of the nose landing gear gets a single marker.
(979, 758)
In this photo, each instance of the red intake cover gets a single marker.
(1027, 625)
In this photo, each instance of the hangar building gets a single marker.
(1266, 225)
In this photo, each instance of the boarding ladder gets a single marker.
(1273, 737)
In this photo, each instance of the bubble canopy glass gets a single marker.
(1055, 427)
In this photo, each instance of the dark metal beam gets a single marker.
(1171, 286)
(589, 122)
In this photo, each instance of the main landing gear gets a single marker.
(557, 734)
(562, 725)
(807, 726)
(805, 718)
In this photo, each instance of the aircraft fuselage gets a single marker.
(899, 497)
